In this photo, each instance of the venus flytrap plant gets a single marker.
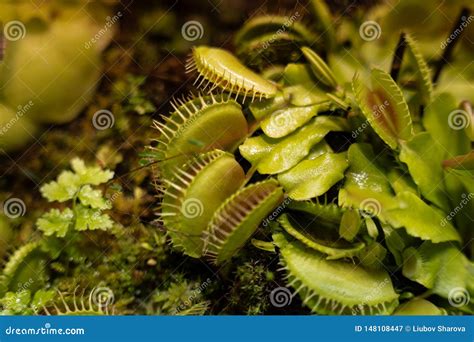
(357, 211)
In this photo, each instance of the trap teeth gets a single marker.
(218, 68)
(236, 220)
(198, 125)
(190, 199)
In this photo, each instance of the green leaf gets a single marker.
(420, 220)
(422, 72)
(396, 240)
(300, 87)
(93, 175)
(313, 178)
(285, 121)
(320, 69)
(63, 189)
(93, 198)
(350, 224)
(436, 120)
(384, 107)
(55, 222)
(271, 156)
(364, 171)
(324, 22)
(439, 267)
(423, 156)
(419, 307)
(405, 210)
(401, 181)
(42, 298)
(16, 302)
(91, 219)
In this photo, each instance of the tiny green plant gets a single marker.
(86, 203)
